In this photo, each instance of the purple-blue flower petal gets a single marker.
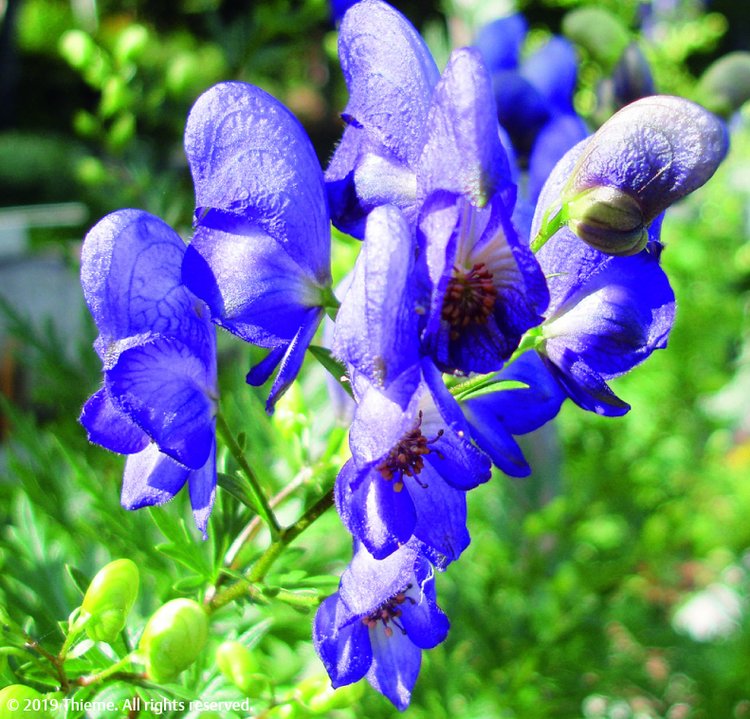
(463, 153)
(250, 157)
(151, 478)
(165, 389)
(390, 74)
(425, 623)
(381, 518)
(376, 325)
(440, 515)
(495, 417)
(342, 643)
(657, 149)
(202, 487)
(252, 286)
(500, 42)
(395, 666)
(130, 274)
(111, 428)
(553, 71)
(553, 141)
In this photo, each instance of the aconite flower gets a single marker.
(158, 400)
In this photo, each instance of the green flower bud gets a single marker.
(608, 219)
(18, 701)
(173, 638)
(238, 664)
(109, 599)
(318, 696)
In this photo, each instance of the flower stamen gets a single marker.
(407, 457)
(388, 612)
(469, 298)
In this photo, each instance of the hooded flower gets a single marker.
(606, 315)
(158, 400)
(644, 158)
(412, 459)
(260, 253)
(431, 145)
(384, 614)
(534, 96)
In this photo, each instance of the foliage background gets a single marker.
(570, 602)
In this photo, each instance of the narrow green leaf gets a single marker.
(333, 366)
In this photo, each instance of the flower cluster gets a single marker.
(460, 326)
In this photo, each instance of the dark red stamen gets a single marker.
(388, 612)
(407, 457)
(469, 298)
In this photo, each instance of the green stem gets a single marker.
(466, 389)
(115, 670)
(260, 569)
(550, 225)
(259, 497)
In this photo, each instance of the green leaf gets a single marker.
(237, 487)
(80, 579)
(488, 386)
(333, 366)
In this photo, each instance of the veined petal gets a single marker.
(131, 279)
(252, 285)
(151, 478)
(376, 325)
(463, 153)
(166, 390)
(342, 644)
(395, 666)
(250, 157)
(111, 428)
(657, 149)
(390, 74)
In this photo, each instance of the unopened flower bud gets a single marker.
(110, 598)
(318, 696)
(644, 158)
(173, 638)
(238, 664)
(609, 220)
(17, 701)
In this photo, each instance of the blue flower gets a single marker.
(158, 400)
(260, 254)
(644, 158)
(607, 314)
(412, 458)
(431, 145)
(384, 614)
(534, 92)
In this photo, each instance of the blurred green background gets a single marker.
(614, 582)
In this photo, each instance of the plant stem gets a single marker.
(259, 570)
(550, 225)
(261, 503)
